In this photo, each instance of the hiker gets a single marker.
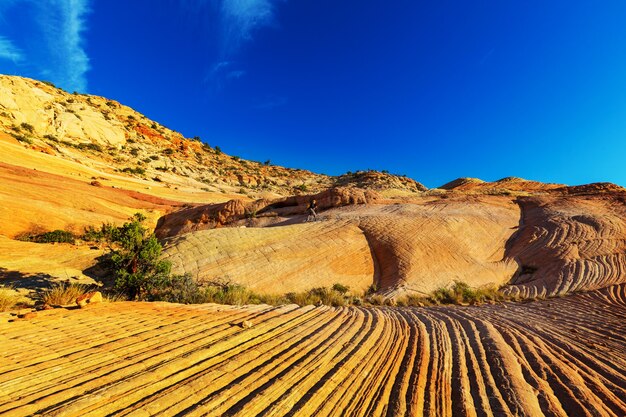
(311, 211)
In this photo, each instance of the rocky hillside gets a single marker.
(83, 127)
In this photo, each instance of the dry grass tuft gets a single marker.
(114, 297)
(8, 299)
(63, 293)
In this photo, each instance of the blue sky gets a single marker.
(433, 90)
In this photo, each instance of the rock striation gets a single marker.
(562, 357)
(557, 241)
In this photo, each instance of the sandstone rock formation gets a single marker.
(508, 185)
(211, 216)
(560, 240)
(562, 357)
(569, 243)
(414, 247)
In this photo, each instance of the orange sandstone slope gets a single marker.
(81, 146)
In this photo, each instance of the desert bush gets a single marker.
(168, 151)
(175, 289)
(8, 299)
(114, 297)
(136, 170)
(106, 233)
(461, 293)
(137, 263)
(51, 138)
(55, 236)
(218, 150)
(63, 293)
(318, 295)
(340, 288)
(22, 138)
(89, 146)
(376, 299)
(27, 126)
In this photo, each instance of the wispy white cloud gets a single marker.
(63, 23)
(236, 23)
(54, 36)
(240, 18)
(9, 51)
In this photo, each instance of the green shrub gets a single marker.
(168, 151)
(27, 126)
(462, 293)
(89, 146)
(55, 236)
(107, 233)
(218, 150)
(137, 170)
(340, 288)
(138, 267)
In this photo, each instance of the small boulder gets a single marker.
(89, 298)
(246, 324)
(27, 316)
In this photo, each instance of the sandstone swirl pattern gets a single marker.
(569, 243)
(562, 357)
(554, 242)
(401, 247)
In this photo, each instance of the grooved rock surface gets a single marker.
(277, 259)
(568, 239)
(402, 247)
(562, 357)
(569, 243)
